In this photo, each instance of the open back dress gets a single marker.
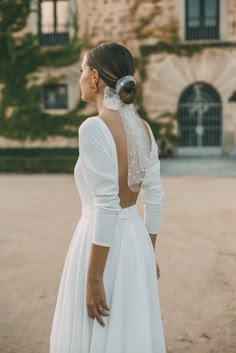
(134, 324)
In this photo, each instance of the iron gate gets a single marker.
(200, 121)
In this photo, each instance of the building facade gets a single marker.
(186, 55)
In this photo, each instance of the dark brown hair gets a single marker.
(113, 61)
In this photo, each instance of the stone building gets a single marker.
(186, 57)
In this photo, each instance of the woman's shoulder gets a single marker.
(93, 131)
(90, 128)
(88, 124)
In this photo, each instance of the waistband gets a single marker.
(125, 213)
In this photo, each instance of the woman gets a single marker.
(108, 295)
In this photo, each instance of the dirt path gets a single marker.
(198, 258)
(196, 251)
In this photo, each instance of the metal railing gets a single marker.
(50, 36)
(201, 32)
(200, 125)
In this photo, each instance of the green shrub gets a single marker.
(38, 160)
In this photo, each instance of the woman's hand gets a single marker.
(96, 299)
(158, 270)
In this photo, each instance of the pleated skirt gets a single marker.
(134, 324)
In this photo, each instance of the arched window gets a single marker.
(202, 19)
(200, 117)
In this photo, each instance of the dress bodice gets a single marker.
(97, 180)
(79, 170)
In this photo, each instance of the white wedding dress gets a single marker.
(134, 324)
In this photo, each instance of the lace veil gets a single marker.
(138, 143)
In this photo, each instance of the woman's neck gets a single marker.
(99, 102)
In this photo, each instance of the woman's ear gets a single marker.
(95, 76)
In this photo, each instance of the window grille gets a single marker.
(53, 22)
(202, 19)
(200, 117)
(55, 96)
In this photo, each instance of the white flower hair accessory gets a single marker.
(138, 142)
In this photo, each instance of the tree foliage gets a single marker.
(13, 15)
(21, 113)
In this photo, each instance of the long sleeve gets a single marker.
(152, 192)
(100, 174)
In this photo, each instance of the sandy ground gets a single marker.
(196, 250)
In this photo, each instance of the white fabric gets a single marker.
(131, 286)
(152, 191)
(138, 146)
(99, 168)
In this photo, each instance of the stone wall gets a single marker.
(103, 20)
(232, 19)
(129, 22)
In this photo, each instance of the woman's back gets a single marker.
(114, 123)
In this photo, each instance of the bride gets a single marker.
(108, 299)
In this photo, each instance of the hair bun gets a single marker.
(128, 92)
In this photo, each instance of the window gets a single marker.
(53, 22)
(202, 19)
(55, 96)
(200, 117)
